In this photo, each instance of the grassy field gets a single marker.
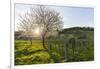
(27, 53)
(30, 54)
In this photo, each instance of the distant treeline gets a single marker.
(78, 29)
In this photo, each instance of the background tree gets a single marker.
(44, 18)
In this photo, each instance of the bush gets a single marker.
(56, 57)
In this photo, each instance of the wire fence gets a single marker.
(63, 47)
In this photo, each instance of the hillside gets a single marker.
(78, 32)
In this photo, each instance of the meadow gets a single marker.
(71, 45)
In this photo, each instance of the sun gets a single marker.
(37, 31)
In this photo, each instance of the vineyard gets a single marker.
(71, 45)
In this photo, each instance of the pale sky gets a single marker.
(72, 16)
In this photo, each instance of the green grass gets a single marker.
(30, 54)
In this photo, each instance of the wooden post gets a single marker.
(59, 50)
(65, 50)
(49, 47)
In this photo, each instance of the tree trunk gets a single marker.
(43, 42)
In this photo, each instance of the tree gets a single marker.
(46, 19)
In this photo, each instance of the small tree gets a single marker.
(46, 19)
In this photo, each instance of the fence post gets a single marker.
(49, 47)
(65, 49)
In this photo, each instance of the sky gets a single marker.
(72, 16)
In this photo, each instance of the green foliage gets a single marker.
(80, 44)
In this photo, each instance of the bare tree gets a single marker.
(46, 19)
